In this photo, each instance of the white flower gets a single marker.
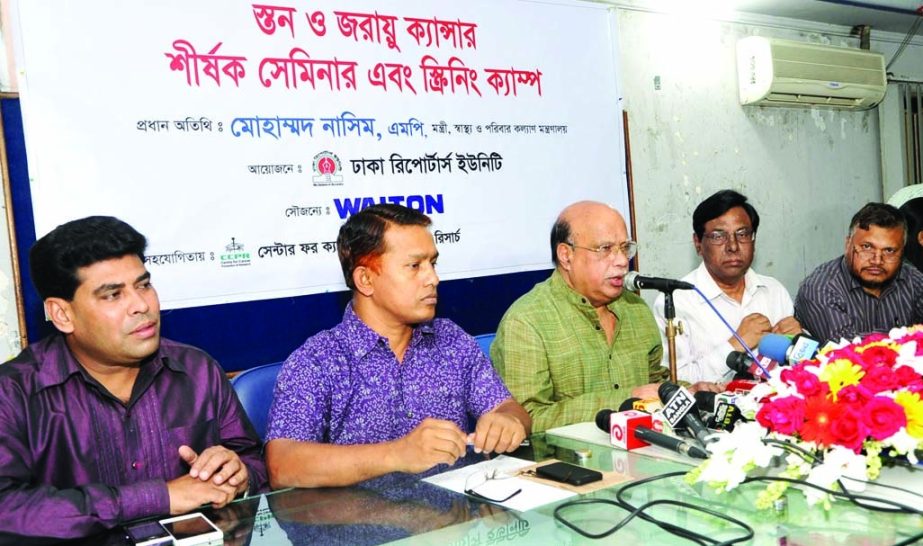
(907, 356)
(903, 443)
(798, 462)
(839, 462)
(721, 470)
(731, 453)
(749, 403)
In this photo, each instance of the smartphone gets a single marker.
(192, 529)
(149, 533)
(570, 474)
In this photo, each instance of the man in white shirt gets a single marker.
(724, 227)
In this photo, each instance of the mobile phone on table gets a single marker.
(192, 529)
(570, 474)
(148, 533)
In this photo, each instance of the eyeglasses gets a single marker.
(743, 236)
(603, 252)
(480, 478)
(867, 251)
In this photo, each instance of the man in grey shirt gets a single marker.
(868, 289)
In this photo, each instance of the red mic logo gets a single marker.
(618, 433)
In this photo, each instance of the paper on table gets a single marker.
(532, 496)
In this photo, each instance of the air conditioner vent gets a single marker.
(787, 73)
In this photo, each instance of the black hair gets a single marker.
(878, 214)
(55, 258)
(913, 215)
(560, 233)
(716, 205)
(362, 237)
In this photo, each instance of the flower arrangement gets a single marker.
(831, 416)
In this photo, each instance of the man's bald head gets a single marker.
(590, 250)
(575, 219)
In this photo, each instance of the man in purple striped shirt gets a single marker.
(868, 289)
(104, 422)
(390, 388)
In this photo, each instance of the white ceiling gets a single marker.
(880, 15)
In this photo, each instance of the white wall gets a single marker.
(806, 170)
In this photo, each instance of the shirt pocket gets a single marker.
(199, 436)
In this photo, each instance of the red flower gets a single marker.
(848, 428)
(854, 395)
(878, 356)
(872, 338)
(907, 376)
(879, 379)
(848, 353)
(820, 414)
(783, 415)
(806, 382)
(883, 417)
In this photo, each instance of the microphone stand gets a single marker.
(669, 312)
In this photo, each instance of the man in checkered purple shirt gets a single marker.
(390, 388)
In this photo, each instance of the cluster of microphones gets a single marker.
(685, 423)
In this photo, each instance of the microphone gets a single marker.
(705, 401)
(746, 367)
(634, 281)
(721, 408)
(647, 406)
(628, 432)
(725, 417)
(791, 350)
(652, 406)
(678, 406)
(684, 447)
(602, 419)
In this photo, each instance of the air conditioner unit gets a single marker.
(788, 73)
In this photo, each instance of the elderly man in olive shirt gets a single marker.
(577, 342)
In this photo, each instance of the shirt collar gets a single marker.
(706, 283)
(56, 363)
(361, 339)
(561, 290)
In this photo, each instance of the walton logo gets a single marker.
(326, 169)
(428, 204)
(234, 255)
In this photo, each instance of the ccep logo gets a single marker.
(235, 255)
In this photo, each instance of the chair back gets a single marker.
(254, 388)
(484, 341)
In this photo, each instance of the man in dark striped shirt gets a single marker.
(868, 289)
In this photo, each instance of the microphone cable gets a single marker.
(639, 511)
(879, 505)
(733, 331)
(895, 507)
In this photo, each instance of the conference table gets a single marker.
(404, 509)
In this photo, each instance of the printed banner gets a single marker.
(239, 136)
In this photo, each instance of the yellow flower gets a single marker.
(913, 407)
(841, 373)
(882, 343)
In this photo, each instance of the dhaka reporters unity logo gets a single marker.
(327, 167)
